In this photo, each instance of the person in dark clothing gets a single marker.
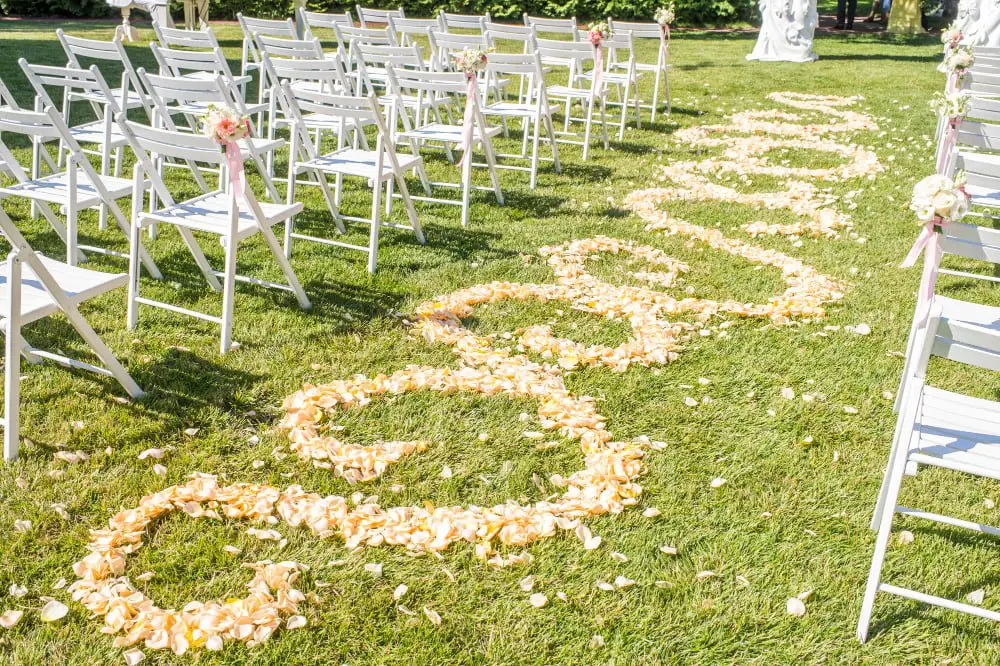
(845, 14)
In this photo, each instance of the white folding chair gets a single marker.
(197, 65)
(530, 109)
(81, 85)
(302, 64)
(408, 29)
(367, 17)
(191, 99)
(78, 187)
(980, 83)
(416, 135)
(347, 35)
(33, 287)
(971, 242)
(249, 57)
(471, 22)
(566, 26)
(129, 94)
(660, 69)
(371, 60)
(943, 429)
(445, 45)
(619, 71)
(574, 57)
(220, 213)
(379, 167)
(202, 39)
(310, 23)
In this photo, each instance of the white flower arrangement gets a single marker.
(957, 61)
(472, 60)
(598, 32)
(949, 105)
(224, 125)
(939, 198)
(665, 15)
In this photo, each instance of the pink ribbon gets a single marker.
(947, 143)
(929, 243)
(595, 86)
(234, 160)
(471, 92)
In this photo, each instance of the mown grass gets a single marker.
(815, 537)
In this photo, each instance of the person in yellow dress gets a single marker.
(905, 18)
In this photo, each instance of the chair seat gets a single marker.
(356, 162)
(649, 66)
(618, 78)
(564, 92)
(93, 132)
(444, 133)
(210, 213)
(958, 429)
(134, 100)
(55, 189)
(78, 285)
(511, 110)
(210, 76)
(201, 108)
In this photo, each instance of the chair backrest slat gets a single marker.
(639, 29)
(192, 39)
(367, 16)
(566, 26)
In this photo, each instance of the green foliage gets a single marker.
(688, 11)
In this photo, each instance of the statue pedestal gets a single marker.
(904, 19)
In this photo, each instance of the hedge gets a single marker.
(688, 11)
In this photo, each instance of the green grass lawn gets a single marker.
(819, 496)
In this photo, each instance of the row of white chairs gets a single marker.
(342, 100)
(936, 427)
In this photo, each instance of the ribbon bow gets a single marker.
(929, 243)
(471, 92)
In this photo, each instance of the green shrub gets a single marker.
(688, 11)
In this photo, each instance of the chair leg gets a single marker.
(895, 478)
(404, 194)
(135, 233)
(534, 153)
(586, 131)
(200, 258)
(604, 122)
(491, 164)
(656, 94)
(466, 184)
(286, 267)
(376, 223)
(12, 353)
(229, 293)
(71, 231)
(552, 142)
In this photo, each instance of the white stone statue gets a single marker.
(786, 31)
(985, 31)
(967, 16)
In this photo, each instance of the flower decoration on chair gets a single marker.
(950, 106)
(665, 16)
(227, 127)
(597, 33)
(955, 64)
(471, 62)
(937, 201)
(951, 38)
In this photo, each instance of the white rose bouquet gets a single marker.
(950, 105)
(957, 61)
(471, 60)
(939, 199)
(665, 15)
